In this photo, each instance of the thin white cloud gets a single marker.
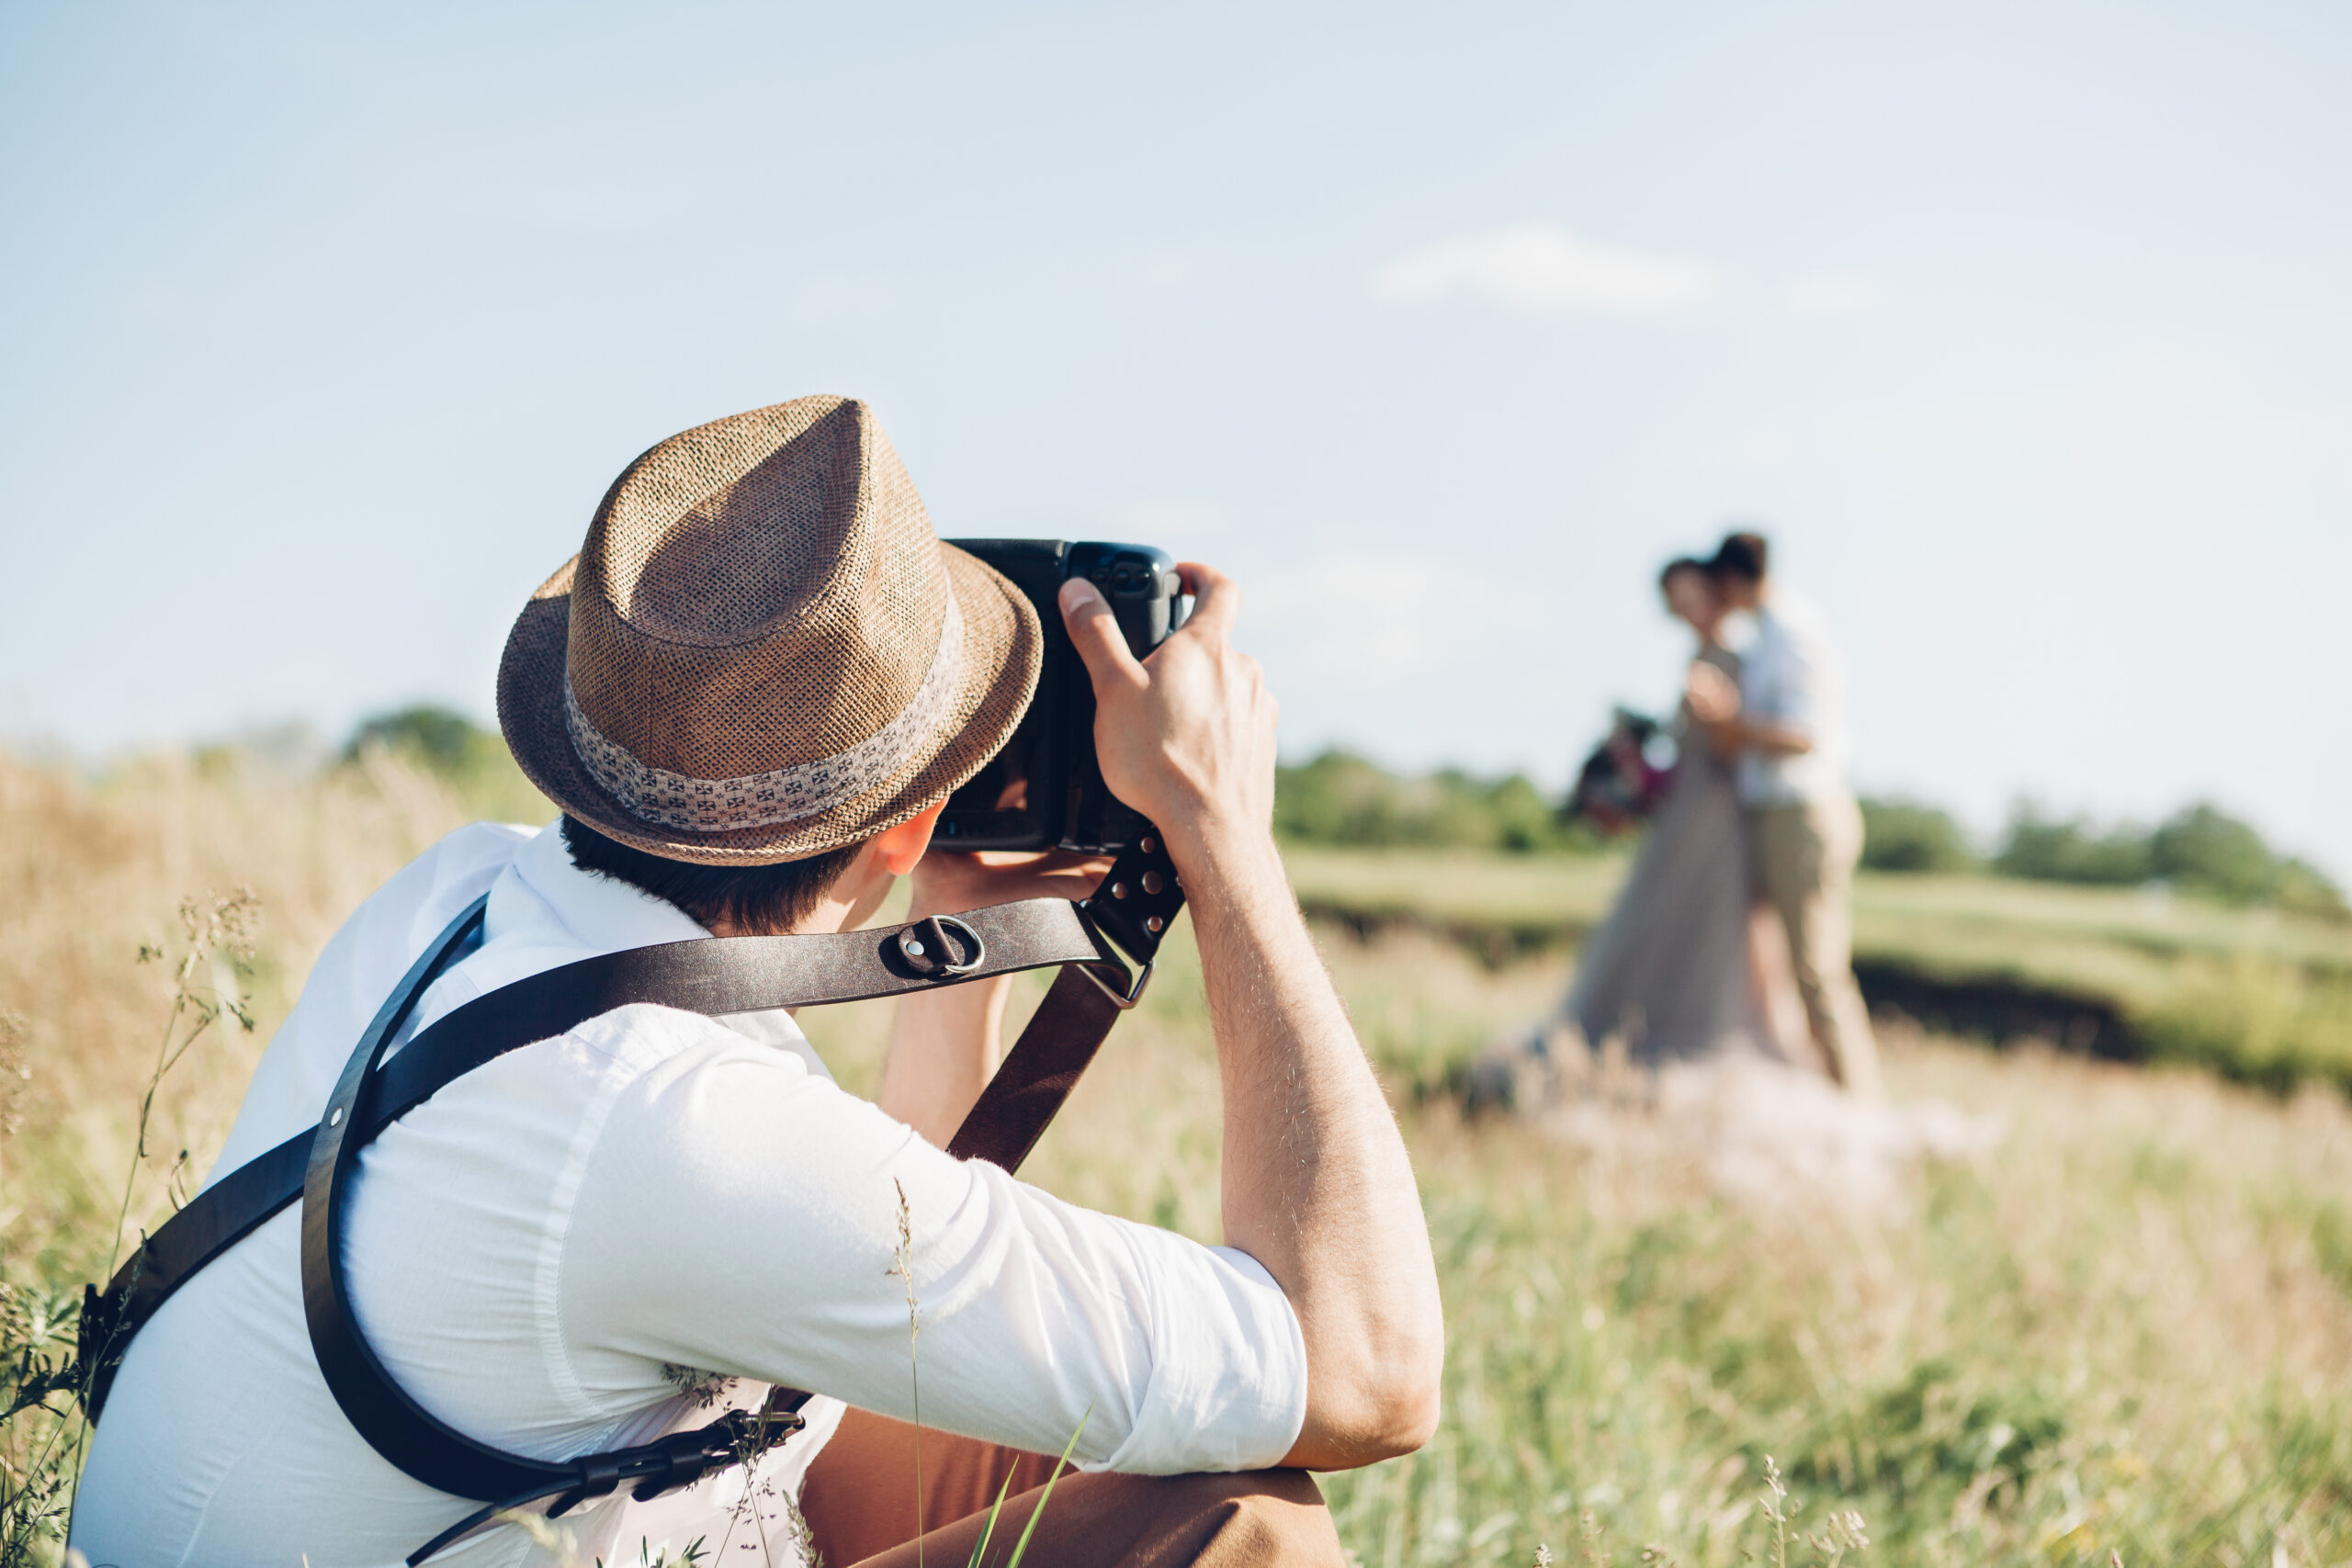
(1837, 293)
(1544, 269)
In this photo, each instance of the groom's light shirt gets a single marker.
(587, 1242)
(1792, 675)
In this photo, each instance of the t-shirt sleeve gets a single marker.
(739, 1214)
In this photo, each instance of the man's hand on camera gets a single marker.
(949, 882)
(1317, 1185)
(1186, 737)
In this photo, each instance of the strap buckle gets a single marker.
(1132, 994)
(651, 1470)
(929, 952)
(686, 1457)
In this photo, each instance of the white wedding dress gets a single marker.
(1667, 974)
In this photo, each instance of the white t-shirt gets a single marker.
(1791, 674)
(571, 1247)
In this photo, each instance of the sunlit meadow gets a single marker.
(2124, 1328)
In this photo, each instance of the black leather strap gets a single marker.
(1135, 904)
(709, 976)
(733, 975)
(235, 1206)
(721, 975)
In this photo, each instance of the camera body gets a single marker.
(1043, 789)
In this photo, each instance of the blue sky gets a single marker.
(2026, 330)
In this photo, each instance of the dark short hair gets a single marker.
(757, 898)
(1682, 563)
(1744, 556)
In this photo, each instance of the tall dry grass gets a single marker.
(92, 872)
(92, 875)
(2127, 1329)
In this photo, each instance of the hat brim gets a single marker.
(1004, 646)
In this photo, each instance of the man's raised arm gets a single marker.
(1316, 1184)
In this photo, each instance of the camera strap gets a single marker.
(1129, 914)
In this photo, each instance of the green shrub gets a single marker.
(473, 761)
(438, 737)
(1906, 835)
(2304, 889)
(1342, 799)
(2044, 849)
(2216, 853)
(2206, 849)
(2199, 848)
(2256, 1019)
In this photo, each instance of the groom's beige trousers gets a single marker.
(1804, 856)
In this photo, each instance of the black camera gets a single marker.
(1045, 790)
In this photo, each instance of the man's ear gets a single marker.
(898, 848)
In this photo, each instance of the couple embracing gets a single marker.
(1760, 817)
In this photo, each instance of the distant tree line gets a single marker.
(1342, 799)
(2199, 848)
(1346, 801)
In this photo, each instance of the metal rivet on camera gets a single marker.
(1118, 890)
(1155, 925)
(1151, 882)
(914, 948)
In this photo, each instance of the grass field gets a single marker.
(2261, 996)
(2127, 1329)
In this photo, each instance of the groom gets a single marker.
(1785, 721)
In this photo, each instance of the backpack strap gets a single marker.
(714, 975)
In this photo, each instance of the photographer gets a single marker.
(752, 694)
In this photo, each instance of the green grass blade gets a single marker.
(1022, 1547)
(981, 1551)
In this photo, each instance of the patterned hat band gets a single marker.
(658, 796)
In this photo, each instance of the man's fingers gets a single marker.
(1096, 633)
(1215, 600)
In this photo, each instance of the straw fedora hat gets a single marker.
(763, 652)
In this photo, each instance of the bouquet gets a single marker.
(1626, 775)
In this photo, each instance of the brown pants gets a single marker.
(860, 1504)
(1804, 870)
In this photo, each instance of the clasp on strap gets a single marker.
(1132, 994)
(689, 1456)
(929, 952)
(664, 1465)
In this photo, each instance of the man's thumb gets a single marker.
(1095, 632)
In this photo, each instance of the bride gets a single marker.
(1673, 974)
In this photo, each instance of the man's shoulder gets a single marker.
(452, 872)
(1795, 614)
(1798, 625)
(353, 975)
(480, 846)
